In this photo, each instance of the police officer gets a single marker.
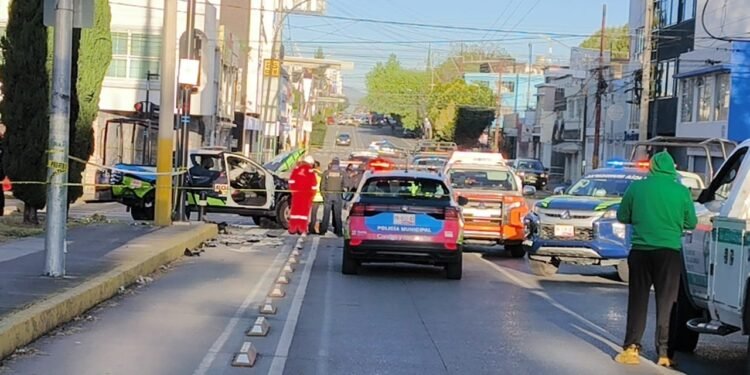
(332, 187)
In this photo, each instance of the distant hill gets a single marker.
(354, 95)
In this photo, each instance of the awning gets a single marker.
(720, 68)
(567, 148)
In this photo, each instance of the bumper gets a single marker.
(402, 251)
(603, 246)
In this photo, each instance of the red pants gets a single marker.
(299, 216)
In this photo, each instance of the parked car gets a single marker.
(397, 216)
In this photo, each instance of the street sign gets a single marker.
(189, 72)
(271, 68)
(83, 13)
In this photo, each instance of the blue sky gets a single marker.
(351, 40)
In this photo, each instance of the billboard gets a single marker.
(305, 6)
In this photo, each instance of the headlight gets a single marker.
(514, 205)
(620, 230)
(610, 214)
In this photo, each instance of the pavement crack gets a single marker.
(424, 325)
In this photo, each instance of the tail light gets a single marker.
(358, 209)
(451, 213)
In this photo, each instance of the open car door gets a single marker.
(249, 184)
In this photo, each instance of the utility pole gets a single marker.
(599, 92)
(646, 71)
(585, 91)
(499, 117)
(165, 146)
(57, 174)
(187, 91)
(528, 83)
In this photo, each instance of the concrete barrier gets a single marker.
(138, 257)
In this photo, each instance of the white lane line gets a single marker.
(539, 292)
(287, 334)
(325, 326)
(254, 296)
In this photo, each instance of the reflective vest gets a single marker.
(318, 195)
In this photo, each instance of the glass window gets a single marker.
(118, 68)
(140, 67)
(482, 180)
(705, 98)
(688, 9)
(592, 186)
(134, 55)
(722, 97)
(120, 44)
(674, 13)
(669, 78)
(408, 188)
(509, 87)
(686, 96)
(145, 45)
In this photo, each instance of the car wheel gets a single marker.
(542, 268)
(349, 265)
(137, 213)
(454, 271)
(681, 338)
(516, 251)
(623, 271)
(282, 212)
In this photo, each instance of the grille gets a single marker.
(487, 205)
(572, 216)
(581, 233)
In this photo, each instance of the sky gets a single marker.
(549, 25)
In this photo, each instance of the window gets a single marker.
(671, 12)
(686, 97)
(482, 180)
(404, 188)
(638, 42)
(722, 97)
(688, 9)
(664, 82)
(509, 87)
(705, 98)
(134, 55)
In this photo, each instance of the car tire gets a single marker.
(349, 265)
(516, 251)
(282, 212)
(454, 271)
(623, 270)
(681, 338)
(137, 213)
(542, 268)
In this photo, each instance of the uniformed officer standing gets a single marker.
(333, 188)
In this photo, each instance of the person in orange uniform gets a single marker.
(303, 184)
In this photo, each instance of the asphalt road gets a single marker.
(389, 319)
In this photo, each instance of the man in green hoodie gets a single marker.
(658, 208)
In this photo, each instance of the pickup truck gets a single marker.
(232, 183)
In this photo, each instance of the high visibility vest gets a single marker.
(318, 195)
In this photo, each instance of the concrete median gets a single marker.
(139, 257)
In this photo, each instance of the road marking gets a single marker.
(254, 295)
(287, 334)
(605, 335)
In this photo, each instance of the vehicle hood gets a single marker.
(567, 202)
(141, 172)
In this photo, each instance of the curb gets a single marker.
(136, 258)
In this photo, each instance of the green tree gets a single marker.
(447, 96)
(616, 39)
(393, 89)
(319, 53)
(463, 57)
(94, 55)
(25, 104)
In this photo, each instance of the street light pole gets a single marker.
(57, 190)
(165, 145)
(185, 112)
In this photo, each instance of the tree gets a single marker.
(447, 96)
(94, 55)
(319, 53)
(25, 104)
(461, 59)
(393, 89)
(616, 39)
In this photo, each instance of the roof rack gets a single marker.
(708, 145)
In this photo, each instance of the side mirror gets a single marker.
(463, 201)
(529, 190)
(559, 190)
(705, 196)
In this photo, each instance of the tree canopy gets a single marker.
(616, 39)
(464, 58)
(391, 88)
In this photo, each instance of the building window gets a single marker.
(509, 87)
(705, 93)
(686, 97)
(722, 97)
(638, 40)
(671, 12)
(688, 9)
(134, 55)
(664, 83)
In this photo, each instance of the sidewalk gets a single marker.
(100, 260)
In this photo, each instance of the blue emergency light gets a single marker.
(628, 164)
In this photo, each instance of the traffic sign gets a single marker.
(271, 68)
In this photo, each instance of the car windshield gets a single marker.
(343, 136)
(429, 162)
(279, 161)
(408, 188)
(535, 165)
(598, 186)
(483, 180)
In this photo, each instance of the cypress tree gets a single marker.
(93, 50)
(25, 104)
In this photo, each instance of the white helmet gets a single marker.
(309, 160)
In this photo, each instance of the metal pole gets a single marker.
(57, 190)
(185, 111)
(646, 72)
(165, 144)
(585, 90)
(599, 92)
(499, 118)
(528, 84)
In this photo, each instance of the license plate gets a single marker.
(564, 231)
(482, 213)
(404, 219)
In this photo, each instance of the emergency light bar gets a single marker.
(464, 157)
(628, 164)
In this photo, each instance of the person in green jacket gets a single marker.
(658, 208)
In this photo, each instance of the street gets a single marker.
(192, 317)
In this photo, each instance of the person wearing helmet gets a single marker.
(303, 185)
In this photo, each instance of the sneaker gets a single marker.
(666, 362)
(629, 356)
